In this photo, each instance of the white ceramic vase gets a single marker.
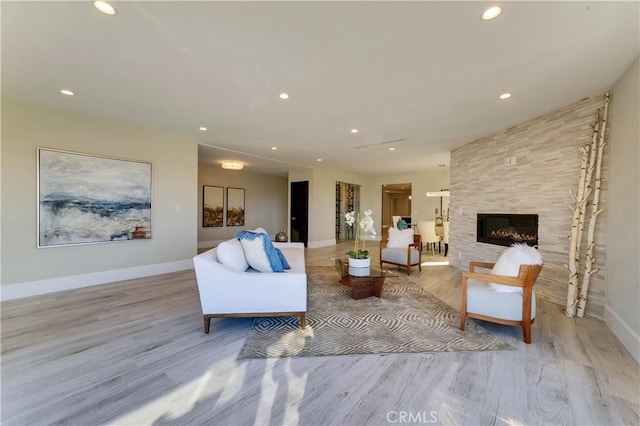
(359, 272)
(359, 263)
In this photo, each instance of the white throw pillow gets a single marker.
(260, 252)
(231, 254)
(261, 230)
(400, 237)
(509, 265)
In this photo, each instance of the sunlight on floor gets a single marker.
(436, 263)
(182, 400)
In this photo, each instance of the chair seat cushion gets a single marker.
(399, 255)
(509, 265)
(482, 300)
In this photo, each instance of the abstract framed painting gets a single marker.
(90, 199)
(212, 206)
(235, 206)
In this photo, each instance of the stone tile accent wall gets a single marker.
(547, 167)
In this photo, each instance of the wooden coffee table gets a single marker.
(364, 282)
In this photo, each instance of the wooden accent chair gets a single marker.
(445, 237)
(402, 249)
(481, 302)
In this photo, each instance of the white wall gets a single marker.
(265, 202)
(27, 269)
(322, 204)
(622, 295)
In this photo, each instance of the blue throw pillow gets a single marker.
(402, 224)
(283, 259)
(260, 252)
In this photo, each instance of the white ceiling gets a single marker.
(429, 73)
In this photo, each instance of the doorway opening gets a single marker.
(347, 200)
(299, 221)
(396, 201)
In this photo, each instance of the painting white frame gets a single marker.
(91, 199)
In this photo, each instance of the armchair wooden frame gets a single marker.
(525, 279)
(408, 265)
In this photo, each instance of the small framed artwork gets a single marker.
(88, 199)
(235, 206)
(212, 206)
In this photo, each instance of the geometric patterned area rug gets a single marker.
(407, 319)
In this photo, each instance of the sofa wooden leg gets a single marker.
(302, 321)
(207, 323)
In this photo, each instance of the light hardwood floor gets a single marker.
(135, 353)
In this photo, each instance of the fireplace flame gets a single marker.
(513, 235)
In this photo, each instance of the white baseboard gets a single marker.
(52, 285)
(317, 244)
(209, 244)
(623, 332)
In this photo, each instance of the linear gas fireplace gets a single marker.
(506, 229)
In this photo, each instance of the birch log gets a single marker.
(591, 165)
(580, 202)
(587, 165)
(595, 212)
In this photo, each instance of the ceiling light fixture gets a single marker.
(204, 129)
(232, 165)
(319, 159)
(392, 149)
(66, 92)
(491, 13)
(354, 130)
(104, 7)
(284, 96)
(505, 96)
(275, 148)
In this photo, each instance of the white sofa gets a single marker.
(225, 292)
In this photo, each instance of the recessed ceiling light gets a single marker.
(66, 92)
(505, 96)
(232, 165)
(284, 96)
(204, 129)
(392, 149)
(104, 7)
(275, 148)
(491, 13)
(319, 159)
(354, 130)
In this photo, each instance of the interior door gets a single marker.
(300, 212)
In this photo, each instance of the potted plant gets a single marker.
(359, 257)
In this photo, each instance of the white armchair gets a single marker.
(503, 299)
(401, 249)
